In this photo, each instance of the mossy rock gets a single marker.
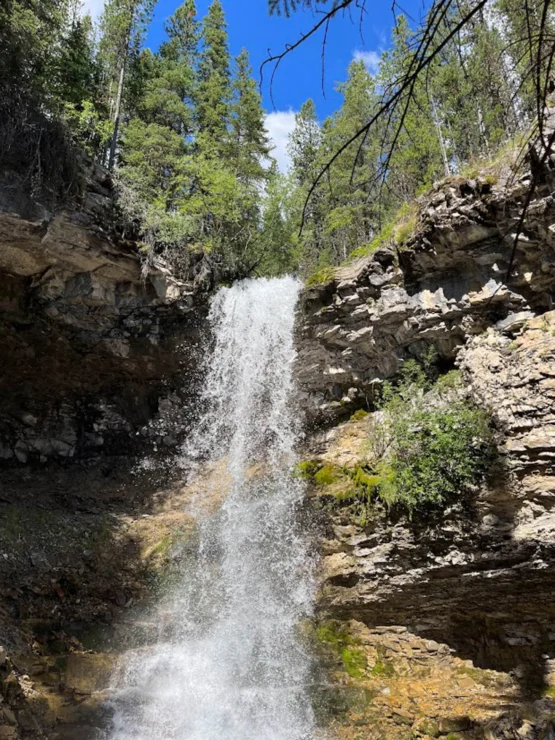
(326, 475)
(336, 637)
(306, 469)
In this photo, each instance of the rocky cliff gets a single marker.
(449, 281)
(450, 615)
(93, 348)
(431, 626)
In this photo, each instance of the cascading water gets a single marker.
(230, 664)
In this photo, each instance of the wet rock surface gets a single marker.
(85, 555)
(94, 348)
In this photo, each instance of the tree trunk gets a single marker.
(114, 142)
(441, 139)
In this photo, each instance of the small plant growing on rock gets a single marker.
(325, 476)
(440, 444)
(325, 275)
(306, 469)
(359, 415)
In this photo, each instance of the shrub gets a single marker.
(440, 444)
(359, 415)
(306, 469)
(325, 275)
(437, 455)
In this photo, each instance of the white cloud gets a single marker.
(94, 7)
(371, 60)
(279, 125)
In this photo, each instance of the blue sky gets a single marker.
(299, 76)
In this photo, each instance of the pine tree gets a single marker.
(278, 238)
(183, 31)
(520, 25)
(304, 143)
(168, 78)
(214, 81)
(249, 143)
(351, 208)
(30, 36)
(412, 133)
(123, 26)
(76, 75)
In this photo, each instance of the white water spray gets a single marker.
(230, 664)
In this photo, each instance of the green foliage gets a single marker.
(325, 475)
(382, 667)
(325, 275)
(334, 635)
(89, 129)
(185, 128)
(359, 415)
(384, 237)
(306, 469)
(436, 447)
(476, 96)
(441, 445)
(214, 91)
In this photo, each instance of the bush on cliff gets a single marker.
(440, 444)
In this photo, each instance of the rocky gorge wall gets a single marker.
(97, 355)
(428, 627)
(449, 281)
(450, 616)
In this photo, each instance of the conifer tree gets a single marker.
(169, 77)
(249, 143)
(30, 39)
(76, 74)
(304, 143)
(213, 94)
(350, 211)
(123, 26)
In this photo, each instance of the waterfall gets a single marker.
(230, 664)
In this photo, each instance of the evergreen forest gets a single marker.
(181, 128)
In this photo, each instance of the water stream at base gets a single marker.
(230, 664)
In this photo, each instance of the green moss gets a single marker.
(549, 692)
(382, 667)
(325, 275)
(359, 415)
(306, 469)
(326, 475)
(335, 636)
(365, 479)
(160, 548)
(354, 662)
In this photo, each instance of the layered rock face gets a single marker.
(92, 349)
(472, 583)
(448, 282)
(475, 582)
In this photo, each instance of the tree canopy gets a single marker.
(183, 127)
